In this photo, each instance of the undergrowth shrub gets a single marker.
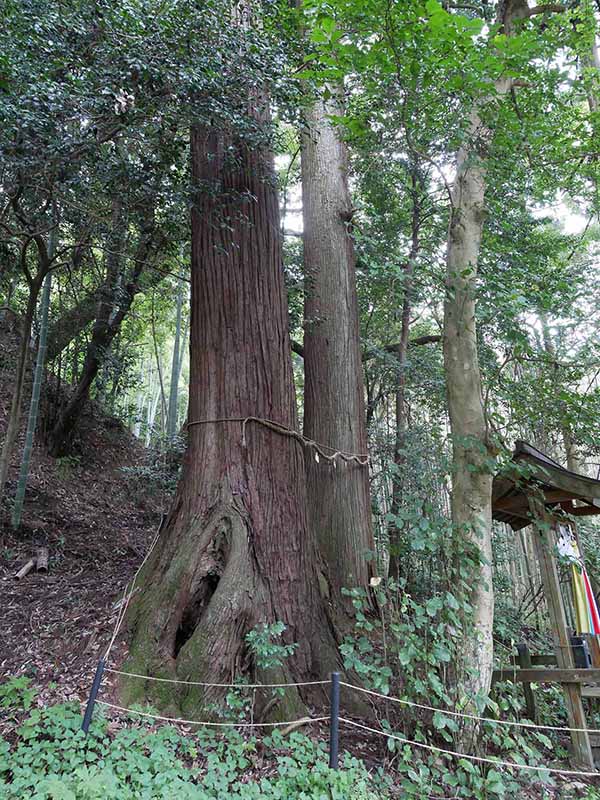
(159, 475)
(268, 652)
(52, 759)
(149, 480)
(17, 694)
(409, 651)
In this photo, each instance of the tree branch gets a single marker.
(392, 349)
(545, 8)
(432, 339)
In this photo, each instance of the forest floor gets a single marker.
(96, 526)
(96, 522)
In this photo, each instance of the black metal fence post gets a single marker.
(334, 720)
(89, 709)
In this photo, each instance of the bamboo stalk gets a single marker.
(25, 569)
(35, 393)
(41, 559)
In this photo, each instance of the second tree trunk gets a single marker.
(334, 412)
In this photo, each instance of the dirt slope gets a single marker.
(96, 522)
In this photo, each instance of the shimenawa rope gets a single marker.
(455, 754)
(360, 458)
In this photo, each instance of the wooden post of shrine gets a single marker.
(544, 533)
(524, 658)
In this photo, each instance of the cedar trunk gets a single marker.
(237, 550)
(334, 405)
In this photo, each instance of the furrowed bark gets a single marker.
(334, 406)
(237, 549)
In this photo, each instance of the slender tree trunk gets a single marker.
(173, 392)
(471, 500)
(106, 327)
(84, 312)
(182, 351)
(102, 335)
(151, 415)
(60, 437)
(400, 398)
(14, 418)
(35, 395)
(237, 550)
(572, 456)
(591, 63)
(334, 405)
(161, 383)
(139, 406)
(72, 322)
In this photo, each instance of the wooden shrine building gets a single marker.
(539, 492)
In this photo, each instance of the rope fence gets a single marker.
(217, 685)
(409, 703)
(124, 604)
(207, 724)
(334, 719)
(455, 754)
(448, 712)
(334, 682)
